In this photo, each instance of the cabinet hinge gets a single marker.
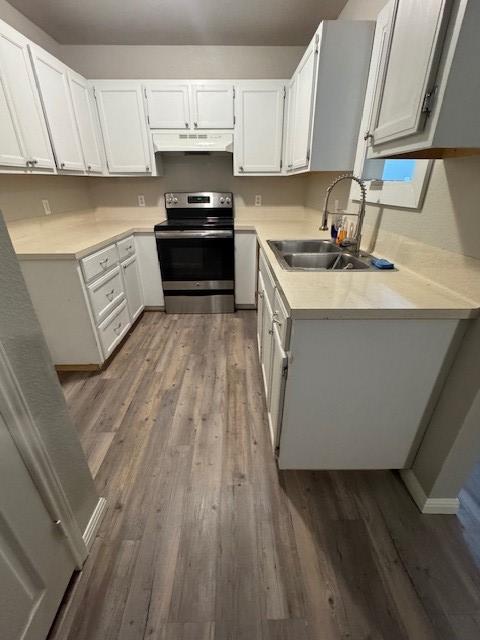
(308, 155)
(317, 39)
(234, 93)
(148, 119)
(145, 92)
(284, 92)
(234, 119)
(94, 93)
(427, 104)
(281, 164)
(285, 371)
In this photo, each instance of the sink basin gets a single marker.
(302, 246)
(324, 261)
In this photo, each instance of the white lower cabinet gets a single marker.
(86, 306)
(267, 339)
(260, 309)
(133, 287)
(114, 328)
(279, 369)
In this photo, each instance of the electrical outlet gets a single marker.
(46, 207)
(141, 200)
(258, 200)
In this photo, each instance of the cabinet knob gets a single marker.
(62, 165)
(187, 125)
(368, 136)
(89, 168)
(28, 163)
(147, 168)
(240, 169)
(195, 125)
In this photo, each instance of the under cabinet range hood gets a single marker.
(198, 142)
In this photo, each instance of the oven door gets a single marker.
(196, 259)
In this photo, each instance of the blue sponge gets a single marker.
(381, 263)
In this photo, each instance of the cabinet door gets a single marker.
(292, 88)
(133, 287)
(277, 385)
(168, 105)
(124, 126)
(22, 99)
(260, 310)
(212, 106)
(303, 107)
(408, 68)
(259, 133)
(267, 339)
(12, 151)
(54, 90)
(86, 121)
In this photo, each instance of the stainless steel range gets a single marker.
(195, 247)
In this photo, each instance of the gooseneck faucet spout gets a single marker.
(361, 211)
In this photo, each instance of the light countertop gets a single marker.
(309, 295)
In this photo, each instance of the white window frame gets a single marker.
(404, 194)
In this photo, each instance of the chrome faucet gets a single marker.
(361, 211)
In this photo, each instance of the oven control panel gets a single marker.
(199, 200)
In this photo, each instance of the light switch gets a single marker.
(141, 200)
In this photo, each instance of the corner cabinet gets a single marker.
(24, 141)
(426, 96)
(87, 122)
(325, 98)
(259, 113)
(123, 122)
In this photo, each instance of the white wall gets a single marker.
(23, 341)
(122, 61)
(18, 21)
(21, 196)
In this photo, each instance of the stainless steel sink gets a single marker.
(302, 246)
(324, 261)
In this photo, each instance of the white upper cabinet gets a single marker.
(52, 76)
(168, 105)
(124, 126)
(212, 106)
(408, 68)
(259, 127)
(24, 141)
(85, 115)
(325, 98)
(302, 114)
(426, 96)
(189, 105)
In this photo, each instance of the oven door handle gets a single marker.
(174, 235)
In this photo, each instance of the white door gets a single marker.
(168, 105)
(408, 68)
(260, 309)
(35, 563)
(124, 126)
(12, 151)
(303, 111)
(21, 95)
(54, 90)
(259, 132)
(290, 125)
(277, 384)
(267, 339)
(86, 121)
(133, 288)
(212, 106)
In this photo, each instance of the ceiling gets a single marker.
(177, 22)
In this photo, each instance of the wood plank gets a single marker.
(204, 539)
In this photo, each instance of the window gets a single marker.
(398, 170)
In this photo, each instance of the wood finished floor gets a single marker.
(205, 540)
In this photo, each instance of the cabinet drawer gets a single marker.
(126, 247)
(99, 262)
(105, 293)
(112, 330)
(281, 320)
(268, 281)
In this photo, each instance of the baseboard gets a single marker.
(154, 308)
(77, 367)
(94, 523)
(245, 306)
(427, 505)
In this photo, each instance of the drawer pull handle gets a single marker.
(275, 321)
(129, 248)
(117, 328)
(110, 294)
(103, 263)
